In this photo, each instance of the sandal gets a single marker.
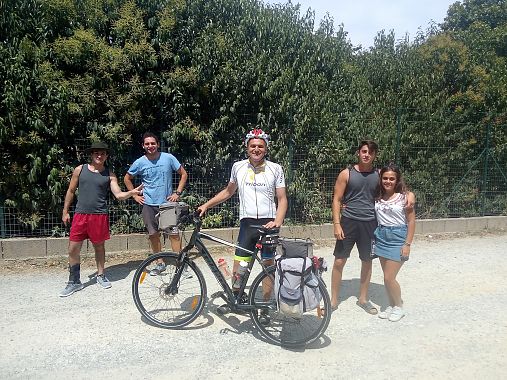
(368, 307)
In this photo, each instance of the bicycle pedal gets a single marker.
(243, 300)
(223, 309)
(264, 319)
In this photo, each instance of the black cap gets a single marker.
(97, 145)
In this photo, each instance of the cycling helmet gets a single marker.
(257, 133)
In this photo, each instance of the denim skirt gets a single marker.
(389, 241)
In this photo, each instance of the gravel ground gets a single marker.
(453, 286)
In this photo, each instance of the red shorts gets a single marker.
(90, 226)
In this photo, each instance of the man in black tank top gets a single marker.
(355, 222)
(91, 221)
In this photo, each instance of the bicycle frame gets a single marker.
(196, 240)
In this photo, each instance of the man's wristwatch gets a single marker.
(178, 193)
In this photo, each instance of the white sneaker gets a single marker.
(386, 313)
(396, 314)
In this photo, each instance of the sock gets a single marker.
(74, 273)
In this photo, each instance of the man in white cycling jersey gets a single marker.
(258, 182)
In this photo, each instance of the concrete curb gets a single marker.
(26, 248)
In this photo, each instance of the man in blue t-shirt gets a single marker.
(156, 172)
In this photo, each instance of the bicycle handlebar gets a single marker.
(189, 218)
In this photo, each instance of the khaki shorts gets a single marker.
(150, 221)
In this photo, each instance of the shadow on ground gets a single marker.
(377, 293)
(118, 272)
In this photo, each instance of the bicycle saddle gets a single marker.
(266, 231)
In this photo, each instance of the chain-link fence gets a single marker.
(458, 180)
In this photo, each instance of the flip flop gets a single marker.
(368, 307)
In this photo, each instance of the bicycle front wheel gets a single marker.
(165, 304)
(280, 329)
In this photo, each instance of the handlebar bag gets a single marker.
(169, 214)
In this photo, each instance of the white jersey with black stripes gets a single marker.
(257, 188)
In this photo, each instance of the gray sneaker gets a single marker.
(158, 269)
(103, 281)
(71, 288)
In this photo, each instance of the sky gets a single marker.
(362, 19)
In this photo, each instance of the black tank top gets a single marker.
(93, 191)
(359, 195)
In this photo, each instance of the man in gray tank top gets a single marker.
(354, 220)
(354, 223)
(91, 221)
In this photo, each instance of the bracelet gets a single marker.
(336, 223)
(178, 193)
(407, 244)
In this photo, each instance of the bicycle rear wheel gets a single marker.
(281, 329)
(165, 306)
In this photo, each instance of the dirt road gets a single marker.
(454, 290)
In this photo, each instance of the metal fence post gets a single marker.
(398, 136)
(2, 221)
(290, 170)
(485, 171)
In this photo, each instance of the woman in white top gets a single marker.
(393, 236)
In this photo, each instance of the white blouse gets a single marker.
(391, 212)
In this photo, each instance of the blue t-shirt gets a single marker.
(157, 177)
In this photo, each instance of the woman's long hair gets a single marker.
(400, 187)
